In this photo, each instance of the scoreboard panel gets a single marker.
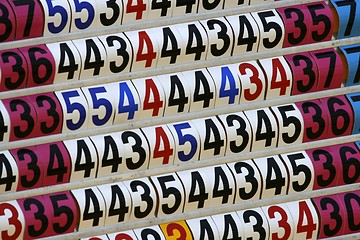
(172, 119)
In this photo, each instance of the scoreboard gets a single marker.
(179, 119)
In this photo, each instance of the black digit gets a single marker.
(175, 50)
(4, 19)
(351, 14)
(212, 130)
(98, 62)
(176, 86)
(206, 232)
(317, 118)
(198, 192)
(199, 47)
(207, 95)
(273, 170)
(350, 50)
(332, 58)
(3, 127)
(246, 37)
(145, 233)
(115, 161)
(97, 213)
(268, 26)
(335, 115)
(25, 116)
(51, 112)
(350, 210)
(145, 197)
(241, 131)
(324, 202)
(31, 166)
(37, 63)
(116, 13)
(307, 70)
(66, 55)
(164, 5)
(5, 167)
(59, 211)
(258, 227)
(120, 52)
(299, 23)
(222, 34)
(269, 134)
(316, 19)
(287, 121)
(30, 14)
(187, 3)
(168, 191)
(39, 215)
(137, 148)
(327, 165)
(61, 169)
(16, 68)
(210, 5)
(230, 228)
(221, 181)
(118, 196)
(83, 151)
(249, 178)
(297, 169)
(350, 163)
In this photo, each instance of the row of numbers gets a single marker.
(157, 47)
(38, 18)
(305, 219)
(34, 217)
(136, 50)
(244, 82)
(78, 109)
(177, 143)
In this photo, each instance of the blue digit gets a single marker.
(352, 55)
(183, 139)
(354, 99)
(71, 107)
(132, 107)
(97, 103)
(233, 91)
(79, 6)
(57, 10)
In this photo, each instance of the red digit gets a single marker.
(310, 227)
(138, 8)
(14, 221)
(283, 222)
(284, 83)
(176, 227)
(150, 55)
(167, 151)
(152, 90)
(123, 236)
(243, 67)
